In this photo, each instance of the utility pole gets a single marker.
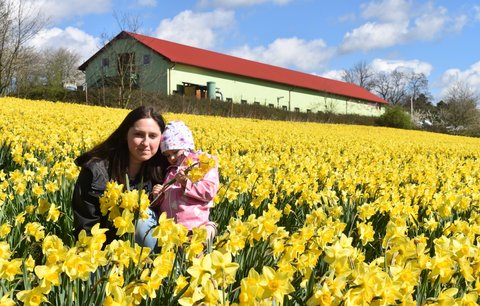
(411, 106)
(411, 102)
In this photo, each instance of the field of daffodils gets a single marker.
(308, 214)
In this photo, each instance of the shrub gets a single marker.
(51, 93)
(395, 117)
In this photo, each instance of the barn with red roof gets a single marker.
(156, 65)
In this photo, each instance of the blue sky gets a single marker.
(437, 38)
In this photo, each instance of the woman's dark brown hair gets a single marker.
(115, 149)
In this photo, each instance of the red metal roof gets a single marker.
(178, 53)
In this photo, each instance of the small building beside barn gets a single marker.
(156, 65)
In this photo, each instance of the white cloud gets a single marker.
(429, 24)
(459, 23)
(347, 18)
(372, 36)
(57, 10)
(149, 3)
(476, 8)
(470, 76)
(196, 29)
(393, 22)
(333, 74)
(415, 66)
(238, 3)
(71, 38)
(289, 52)
(387, 11)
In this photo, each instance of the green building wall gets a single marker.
(150, 77)
(247, 90)
(162, 76)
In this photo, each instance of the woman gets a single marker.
(131, 150)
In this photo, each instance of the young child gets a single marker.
(186, 201)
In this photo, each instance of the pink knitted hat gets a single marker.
(177, 136)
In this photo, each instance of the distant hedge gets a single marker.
(190, 105)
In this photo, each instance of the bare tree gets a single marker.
(392, 87)
(459, 107)
(125, 22)
(126, 75)
(28, 71)
(125, 70)
(398, 87)
(417, 85)
(49, 68)
(360, 74)
(60, 67)
(18, 24)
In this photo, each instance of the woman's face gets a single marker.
(143, 140)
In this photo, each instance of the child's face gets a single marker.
(173, 155)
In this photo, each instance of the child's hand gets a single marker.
(157, 189)
(181, 178)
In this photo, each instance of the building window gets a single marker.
(297, 110)
(243, 101)
(105, 62)
(146, 59)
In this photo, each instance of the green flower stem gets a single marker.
(173, 181)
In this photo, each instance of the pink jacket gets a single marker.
(190, 206)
